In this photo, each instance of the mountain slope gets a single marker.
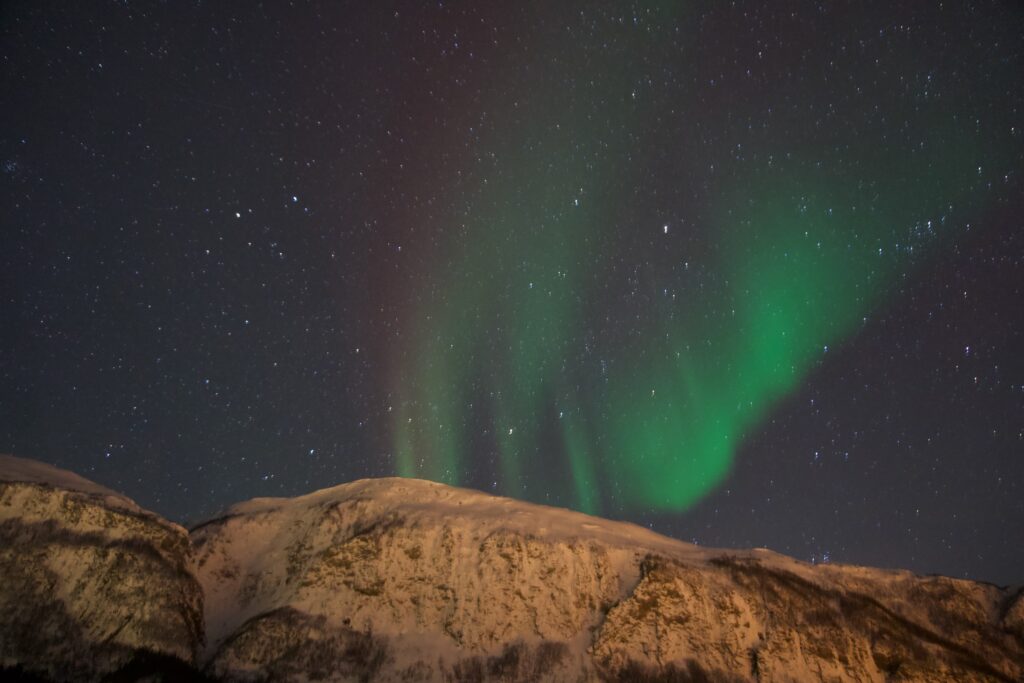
(399, 579)
(89, 579)
(408, 580)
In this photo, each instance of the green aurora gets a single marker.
(522, 348)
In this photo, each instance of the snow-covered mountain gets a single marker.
(399, 579)
(408, 580)
(89, 581)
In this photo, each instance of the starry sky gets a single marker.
(747, 273)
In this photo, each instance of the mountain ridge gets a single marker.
(404, 579)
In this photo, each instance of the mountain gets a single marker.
(400, 579)
(89, 582)
(408, 580)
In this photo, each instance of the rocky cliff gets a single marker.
(89, 582)
(407, 580)
(397, 579)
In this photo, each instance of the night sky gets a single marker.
(748, 273)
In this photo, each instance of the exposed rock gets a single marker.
(763, 620)
(441, 574)
(1013, 614)
(407, 580)
(89, 580)
(288, 644)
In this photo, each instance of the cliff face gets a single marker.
(772, 622)
(408, 580)
(89, 580)
(436, 575)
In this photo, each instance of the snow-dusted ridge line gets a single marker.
(502, 513)
(15, 470)
(420, 498)
(428, 579)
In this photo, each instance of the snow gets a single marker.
(418, 499)
(14, 469)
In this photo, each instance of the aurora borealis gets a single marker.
(749, 275)
(663, 396)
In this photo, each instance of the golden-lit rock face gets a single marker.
(90, 582)
(401, 579)
(739, 615)
(409, 580)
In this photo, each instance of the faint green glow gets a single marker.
(579, 453)
(494, 337)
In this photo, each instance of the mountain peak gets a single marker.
(23, 470)
(403, 579)
(418, 501)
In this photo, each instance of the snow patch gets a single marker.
(23, 470)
